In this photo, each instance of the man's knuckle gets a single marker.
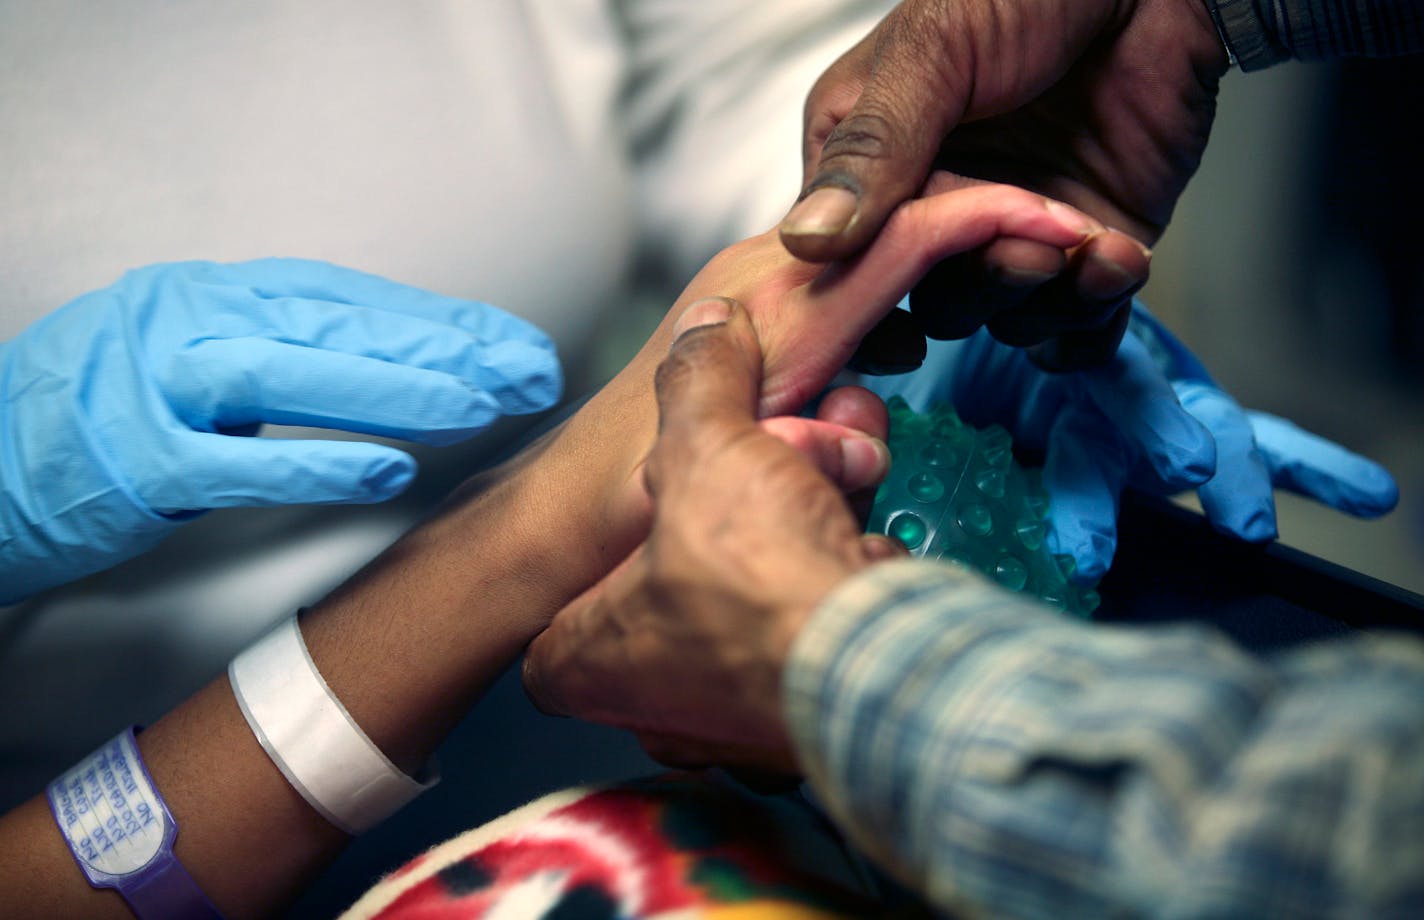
(683, 364)
(664, 590)
(537, 683)
(861, 136)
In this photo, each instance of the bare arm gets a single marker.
(407, 645)
(412, 640)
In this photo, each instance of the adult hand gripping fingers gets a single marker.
(849, 299)
(121, 408)
(1074, 316)
(1009, 92)
(811, 317)
(747, 536)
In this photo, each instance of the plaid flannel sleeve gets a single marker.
(1002, 759)
(1259, 33)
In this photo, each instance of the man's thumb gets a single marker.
(879, 153)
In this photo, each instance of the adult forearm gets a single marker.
(1000, 756)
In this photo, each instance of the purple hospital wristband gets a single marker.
(121, 833)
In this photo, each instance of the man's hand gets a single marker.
(811, 317)
(1104, 105)
(684, 643)
(808, 320)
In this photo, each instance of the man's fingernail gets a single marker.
(1142, 247)
(1108, 280)
(1073, 218)
(709, 311)
(864, 462)
(825, 212)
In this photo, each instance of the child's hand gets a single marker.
(810, 317)
(809, 320)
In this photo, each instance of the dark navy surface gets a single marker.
(1172, 566)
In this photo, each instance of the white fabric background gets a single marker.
(521, 152)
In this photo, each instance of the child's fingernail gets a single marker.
(1021, 277)
(1073, 218)
(864, 462)
(709, 311)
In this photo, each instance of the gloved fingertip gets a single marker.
(542, 389)
(386, 479)
(527, 400)
(1379, 493)
(1187, 458)
(1180, 473)
(1254, 525)
(1091, 550)
(473, 423)
(1198, 459)
(1094, 560)
(522, 378)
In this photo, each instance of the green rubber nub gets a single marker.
(955, 492)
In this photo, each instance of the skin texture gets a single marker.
(686, 641)
(412, 640)
(1104, 104)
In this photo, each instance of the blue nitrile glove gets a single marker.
(1152, 419)
(118, 412)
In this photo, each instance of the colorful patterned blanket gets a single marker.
(678, 846)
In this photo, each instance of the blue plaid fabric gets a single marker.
(1006, 761)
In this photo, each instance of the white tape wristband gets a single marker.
(312, 738)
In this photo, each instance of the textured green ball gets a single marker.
(955, 492)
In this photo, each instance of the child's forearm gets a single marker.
(406, 645)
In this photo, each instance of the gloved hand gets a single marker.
(120, 410)
(1152, 419)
